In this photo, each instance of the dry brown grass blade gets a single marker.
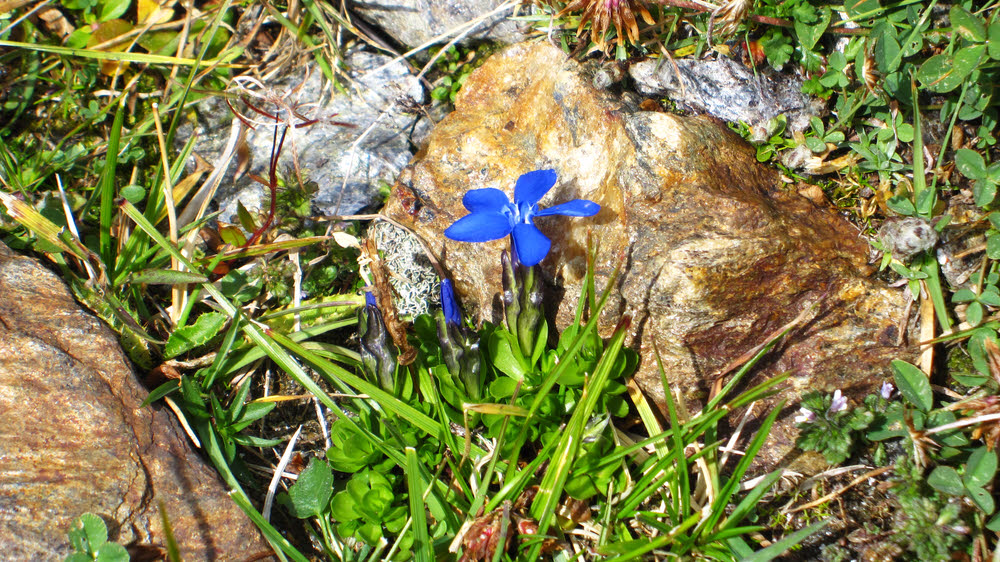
(834, 494)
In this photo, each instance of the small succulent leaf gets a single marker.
(342, 507)
(531, 187)
(530, 244)
(479, 227)
(913, 385)
(488, 199)
(946, 479)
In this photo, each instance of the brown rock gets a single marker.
(717, 252)
(73, 438)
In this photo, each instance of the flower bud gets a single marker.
(522, 286)
(459, 345)
(378, 354)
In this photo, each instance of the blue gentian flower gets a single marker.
(492, 215)
(449, 304)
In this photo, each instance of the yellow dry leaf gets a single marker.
(151, 11)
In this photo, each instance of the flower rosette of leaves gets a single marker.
(828, 425)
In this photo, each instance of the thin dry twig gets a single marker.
(834, 494)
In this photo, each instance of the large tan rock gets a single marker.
(717, 251)
(73, 438)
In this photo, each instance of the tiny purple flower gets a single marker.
(886, 390)
(838, 404)
(805, 416)
(492, 215)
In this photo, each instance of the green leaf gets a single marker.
(112, 9)
(887, 49)
(201, 332)
(963, 295)
(167, 277)
(994, 42)
(943, 73)
(990, 298)
(946, 479)
(94, 530)
(111, 552)
(967, 25)
(902, 204)
(861, 9)
(816, 145)
(994, 523)
(993, 246)
(982, 499)
(502, 347)
(133, 193)
(312, 491)
(913, 385)
(974, 314)
(342, 507)
(810, 33)
(984, 192)
(980, 468)
(970, 164)
(967, 59)
(977, 343)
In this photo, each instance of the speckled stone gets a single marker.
(717, 252)
(73, 438)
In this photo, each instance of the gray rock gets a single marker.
(73, 438)
(415, 22)
(369, 151)
(727, 89)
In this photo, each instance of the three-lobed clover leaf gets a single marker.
(493, 216)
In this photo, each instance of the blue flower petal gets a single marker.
(574, 208)
(488, 199)
(479, 227)
(531, 187)
(530, 244)
(448, 303)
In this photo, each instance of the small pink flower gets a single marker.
(838, 404)
(805, 416)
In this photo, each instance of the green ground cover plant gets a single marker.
(487, 444)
